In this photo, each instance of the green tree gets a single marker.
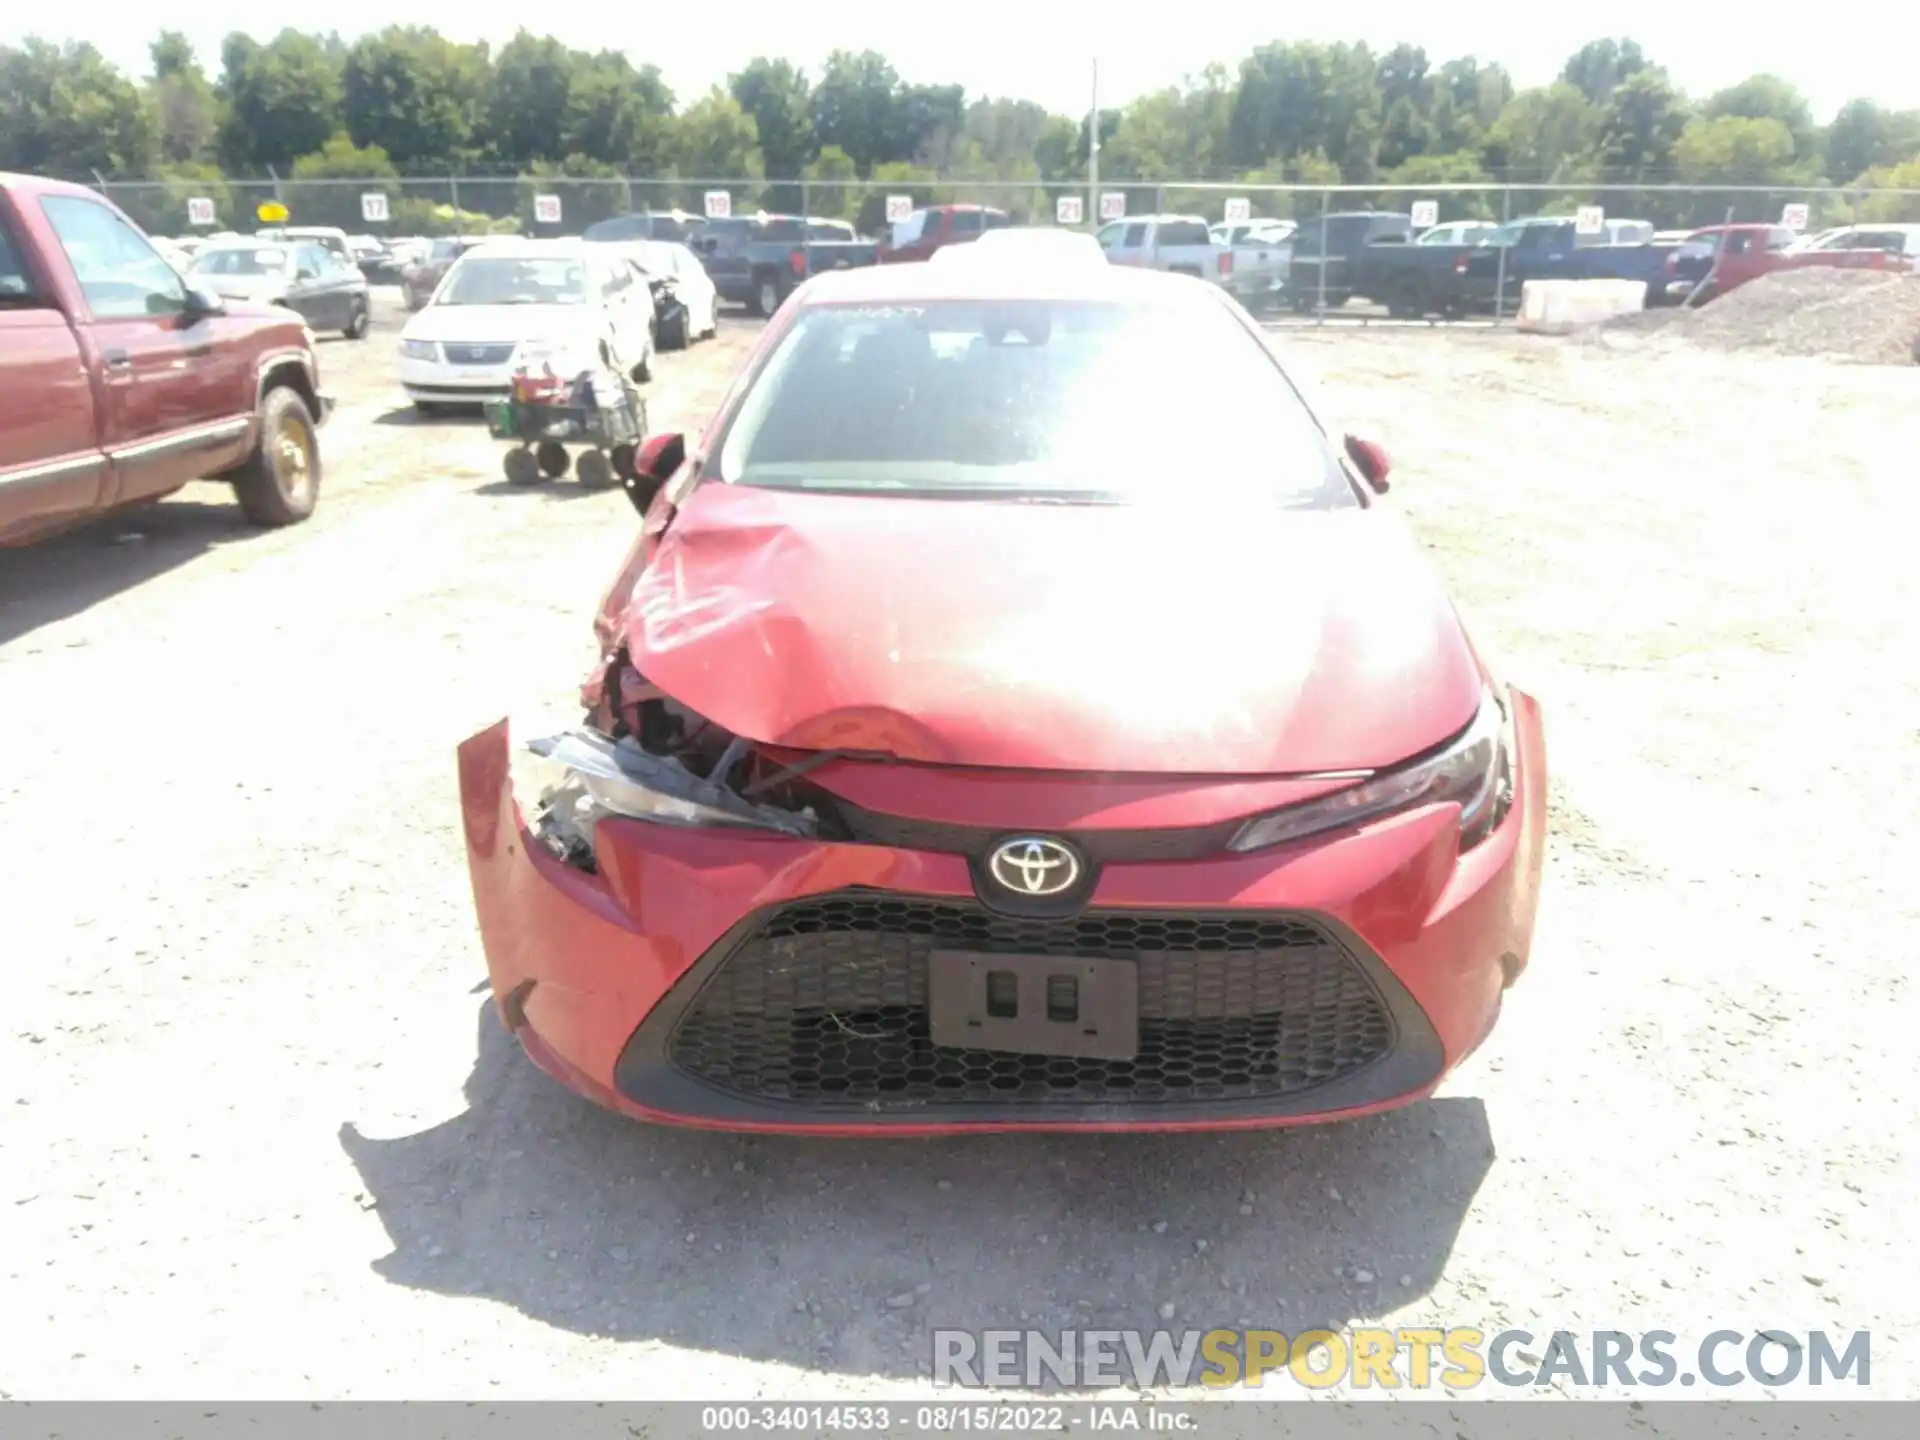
(925, 125)
(282, 98)
(1640, 123)
(186, 111)
(1599, 67)
(1768, 97)
(415, 94)
(326, 186)
(1462, 167)
(528, 100)
(853, 107)
(1543, 135)
(830, 176)
(65, 111)
(714, 139)
(1060, 150)
(1296, 98)
(616, 114)
(892, 177)
(780, 101)
(1737, 150)
(1894, 208)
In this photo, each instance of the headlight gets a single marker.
(568, 783)
(1474, 769)
(419, 350)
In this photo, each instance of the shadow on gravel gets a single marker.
(844, 1256)
(62, 576)
(564, 488)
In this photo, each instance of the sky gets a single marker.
(1042, 52)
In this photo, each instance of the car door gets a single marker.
(307, 287)
(177, 404)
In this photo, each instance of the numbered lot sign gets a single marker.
(1239, 210)
(899, 207)
(1068, 210)
(1426, 214)
(719, 205)
(373, 208)
(1794, 217)
(546, 209)
(200, 211)
(1113, 205)
(1589, 220)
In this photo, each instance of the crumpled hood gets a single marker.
(1062, 637)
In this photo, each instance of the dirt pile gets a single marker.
(1869, 317)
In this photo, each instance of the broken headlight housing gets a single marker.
(1474, 769)
(580, 777)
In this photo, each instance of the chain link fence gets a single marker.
(514, 204)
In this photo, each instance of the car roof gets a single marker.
(42, 185)
(920, 281)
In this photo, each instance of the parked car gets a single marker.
(302, 276)
(510, 302)
(1718, 258)
(420, 280)
(865, 830)
(933, 227)
(676, 225)
(757, 260)
(1413, 280)
(1261, 257)
(1322, 251)
(1231, 233)
(686, 307)
(1177, 243)
(331, 237)
(1900, 241)
(120, 382)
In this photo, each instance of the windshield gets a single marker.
(241, 262)
(516, 280)
(1030, 399)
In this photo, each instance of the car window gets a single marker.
(668, 227)
(1110, 236)
(1136, 236)
(15, 287)
(515, 280)
(1779, 238)
(1016, 399)
(1184, 232)
(998, 221)
(967, 222)
(120, 274)
(909, 230)
(310, 262)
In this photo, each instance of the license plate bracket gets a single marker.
(1034, 1004)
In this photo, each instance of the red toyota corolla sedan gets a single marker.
(1016, 713)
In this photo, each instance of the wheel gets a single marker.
(594, 469)
(552, 458)
(677, 333)
(361, 322)
(521, 467)
(621, 457)
(713, 318)
(279, 483)
(766, 296)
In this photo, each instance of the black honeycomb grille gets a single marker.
(825, 1005)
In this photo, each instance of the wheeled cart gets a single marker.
(603, 416)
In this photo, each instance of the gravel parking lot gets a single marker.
(264, 1137)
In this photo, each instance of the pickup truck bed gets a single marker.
(756, 262)
(119, 384)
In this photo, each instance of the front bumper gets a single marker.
(1382, 952)
(437, 382)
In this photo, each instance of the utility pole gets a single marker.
(1093, 151)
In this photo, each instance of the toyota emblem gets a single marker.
(1034, 865)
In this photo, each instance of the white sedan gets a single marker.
(510, 303)
(672, 261)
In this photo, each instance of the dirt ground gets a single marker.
(265, 1139)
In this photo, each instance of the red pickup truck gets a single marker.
(922, 233)
(1725, 257)
(119, 383)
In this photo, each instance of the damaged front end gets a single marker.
(642, 756)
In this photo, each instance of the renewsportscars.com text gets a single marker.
(1409, 1358)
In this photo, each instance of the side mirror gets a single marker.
(1371, 461)
(202, 303)
(654, 463)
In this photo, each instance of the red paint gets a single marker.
(65, 411)
(939, 231)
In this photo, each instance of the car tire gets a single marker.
(766, 296)
(521, 468)
(594, 470)
(552, 458)
(361, 322)
(279, 483)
